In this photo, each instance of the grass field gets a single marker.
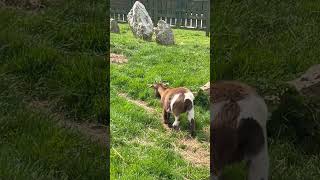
(52, 69)
(141, 146)
(266, 43)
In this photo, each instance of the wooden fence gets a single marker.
(189, 14)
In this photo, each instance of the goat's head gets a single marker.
(158, 88)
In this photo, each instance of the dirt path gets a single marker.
(118, 58)
(189, 148)
(95, 132)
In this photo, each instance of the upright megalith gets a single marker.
(140, 22)
(164, 33)
(114, 27)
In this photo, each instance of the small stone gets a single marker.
(114, 27)
(309, 83)
(206, 87)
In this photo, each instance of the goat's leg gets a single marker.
(259, 165)
(214, 177)
(168, 117)
(192, 122)
(165, 116)
(215, 169)
(176, 123)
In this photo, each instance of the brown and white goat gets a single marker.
(238, 129)
(176, 101)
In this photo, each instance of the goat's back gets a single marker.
(177, 100)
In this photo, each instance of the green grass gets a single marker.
(59, 53)
(265, 44)
(55, 55)
(140, 145)
(34, 146)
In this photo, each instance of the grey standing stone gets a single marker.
(114, 27)
(164, 33)
(140, 22)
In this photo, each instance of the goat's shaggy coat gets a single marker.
(238, 129)
(176, 101)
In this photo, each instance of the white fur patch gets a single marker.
(173, 100)
(191, 114)
(188, 95)
(254, 107)
(176, 121)
(259, 165)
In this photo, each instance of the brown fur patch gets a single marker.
(224, 137)
(192, 127)
(251, 138)
(229, 90)
(188, 105)
(227, 117)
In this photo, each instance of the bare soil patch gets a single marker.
(96, 132)
(139, 103)
(194, 152)
(118, 58)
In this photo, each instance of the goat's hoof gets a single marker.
(193, 134)
(177, 128)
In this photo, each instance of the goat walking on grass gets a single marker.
(176, 101)
(238, 129)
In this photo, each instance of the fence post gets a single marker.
(178, 4)
(208, 19)
(155, 3)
